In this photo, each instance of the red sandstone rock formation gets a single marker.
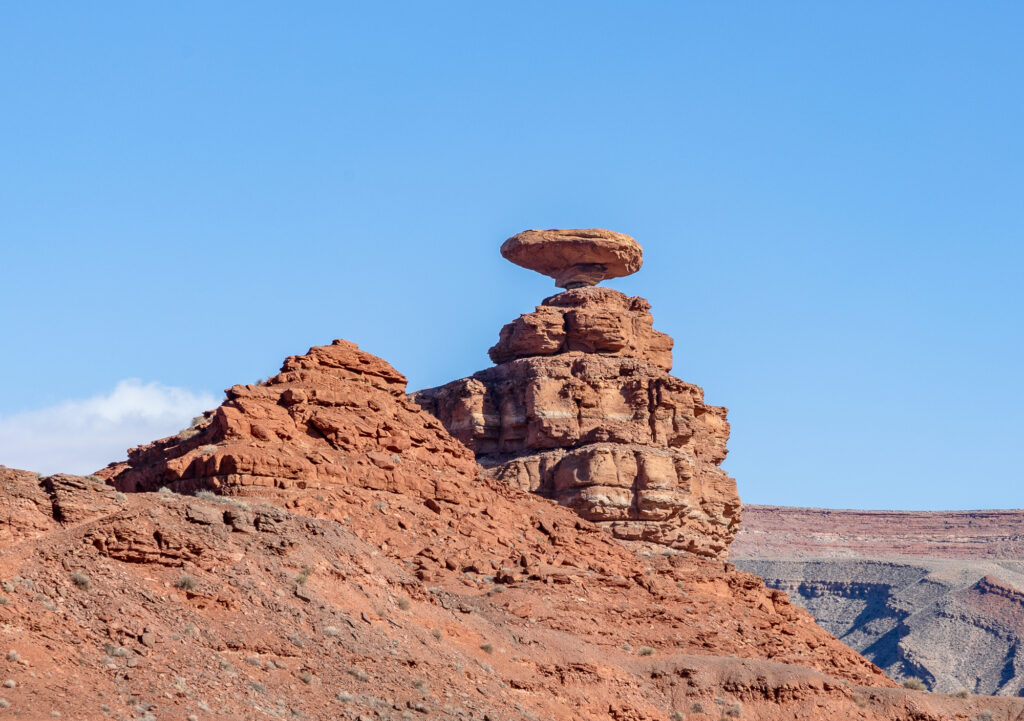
(335, 416)
(581, 408)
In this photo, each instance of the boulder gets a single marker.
(575, 258)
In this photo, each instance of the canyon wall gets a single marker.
(937, 596)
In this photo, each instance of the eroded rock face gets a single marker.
(589, 320)
(581, 408)
(334, 416)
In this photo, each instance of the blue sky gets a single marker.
(829, 198)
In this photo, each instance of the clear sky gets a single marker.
(830, 198)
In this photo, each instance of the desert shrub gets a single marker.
(344, 697)
(963, 693)
(735, 710)
(304, 575)
(4, 600)
(436, 633)
(331, 631)
(13, 655)
(358, 674)
(207, 450)
(94, 478)
(677, 716)
(487, 647)
(914, 684)
(403, 603)
(206, 495)
(696, 707)
(81, 580)
(186, 583)
(419, 684)
(646, 651)
(306, 677)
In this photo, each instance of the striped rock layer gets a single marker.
(581, 408)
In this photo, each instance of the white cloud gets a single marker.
(82, 436)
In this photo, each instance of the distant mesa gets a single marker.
(575, 258)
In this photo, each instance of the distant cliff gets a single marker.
(936, 596)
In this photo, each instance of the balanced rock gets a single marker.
(581, 409)
(575, 258)
(336, 416)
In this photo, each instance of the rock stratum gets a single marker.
(581, 408)
(937, 596)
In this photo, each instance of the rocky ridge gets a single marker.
(581, 408)
(333, 418)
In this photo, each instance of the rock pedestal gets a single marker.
(581, 408)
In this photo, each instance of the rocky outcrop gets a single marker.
(336, 416)
(581, 408)
(586, 320)
(937, 596)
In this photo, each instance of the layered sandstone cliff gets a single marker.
(581, 408)
(937, 596)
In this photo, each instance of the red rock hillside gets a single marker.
(375, 592)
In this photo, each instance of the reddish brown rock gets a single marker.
(581, 408)
(575, 258)
(334, 416)
(590, 320)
